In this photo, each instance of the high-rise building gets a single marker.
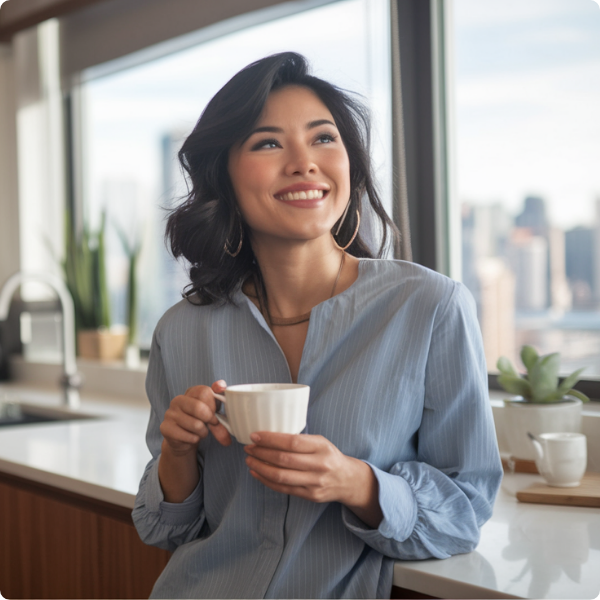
(579, 265)
(561, 298)
(533, 216)
(529, 262)
(485, 231)
(497, 310)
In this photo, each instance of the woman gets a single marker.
(399, 458)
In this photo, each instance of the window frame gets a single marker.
(424, 47)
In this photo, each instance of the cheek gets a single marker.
(252, 177)
(342, 167)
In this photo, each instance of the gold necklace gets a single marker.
(288, 321)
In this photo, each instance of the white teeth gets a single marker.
(307, 195)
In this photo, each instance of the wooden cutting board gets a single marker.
(586, 494)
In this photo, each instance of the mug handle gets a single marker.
(222, 418)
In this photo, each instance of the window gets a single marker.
(135, 120)
(527, 93)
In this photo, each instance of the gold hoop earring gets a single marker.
(353, 235)
(239, 248)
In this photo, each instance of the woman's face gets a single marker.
(291, 176)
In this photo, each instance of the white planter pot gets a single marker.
(521, 417)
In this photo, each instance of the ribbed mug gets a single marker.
(279, 407)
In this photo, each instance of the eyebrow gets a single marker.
(271, 129)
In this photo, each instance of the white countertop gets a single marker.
(526, 550)
(103, 457)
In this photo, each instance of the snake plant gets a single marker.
(84, 266)
(541, 384)
(132, 251)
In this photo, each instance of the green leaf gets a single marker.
(505, 366)
(515, 385)
(85, 274)
(568, 382)
(578, 394)
(544, 376)
(102, 296)
(132, 252)
(554, 397)
(529, 356)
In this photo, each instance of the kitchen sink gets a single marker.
(21, 413)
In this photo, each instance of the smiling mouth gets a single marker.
(303, 195)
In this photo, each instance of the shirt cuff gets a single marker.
(171, 513)
(398, 505)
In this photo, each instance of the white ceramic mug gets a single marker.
(561, 457)
(279, 407)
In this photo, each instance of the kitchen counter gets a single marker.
(103, 457)
(526, 550)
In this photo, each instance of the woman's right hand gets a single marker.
(191, 416)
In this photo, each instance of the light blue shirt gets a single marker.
(398, 379)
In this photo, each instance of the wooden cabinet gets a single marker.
(57, 544)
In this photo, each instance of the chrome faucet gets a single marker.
(71, 379)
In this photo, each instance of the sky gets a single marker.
(128, 112)
(527, 96)
(526, 84)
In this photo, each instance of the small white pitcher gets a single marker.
(561, 457)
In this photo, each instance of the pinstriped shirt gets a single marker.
(398, 379)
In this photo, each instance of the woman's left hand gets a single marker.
(311, 467)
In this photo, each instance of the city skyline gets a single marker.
(534, 283)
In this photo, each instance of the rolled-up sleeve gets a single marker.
(436, 505)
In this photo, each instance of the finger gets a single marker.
(175, 434)
(221, 434)
(194, 407)
(278, 487)
(284, 459)
(187, 422)
(204, 394)
(301, 443)
(219, 386)
(281, 477)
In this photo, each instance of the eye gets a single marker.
(325, 138)
(266, 144)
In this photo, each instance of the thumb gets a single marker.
(219, 386)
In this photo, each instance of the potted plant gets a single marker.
(85, 274)
(132, 252)
(543, 403)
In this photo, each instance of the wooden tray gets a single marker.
(519, 465)
(586, 494)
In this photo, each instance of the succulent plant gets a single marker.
(541, 384)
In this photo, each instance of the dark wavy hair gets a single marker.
(208, 218)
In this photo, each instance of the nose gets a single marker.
(300, 161)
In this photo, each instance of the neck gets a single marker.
(298, 278)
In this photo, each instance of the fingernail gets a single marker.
(255, 437)
(222, 383)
